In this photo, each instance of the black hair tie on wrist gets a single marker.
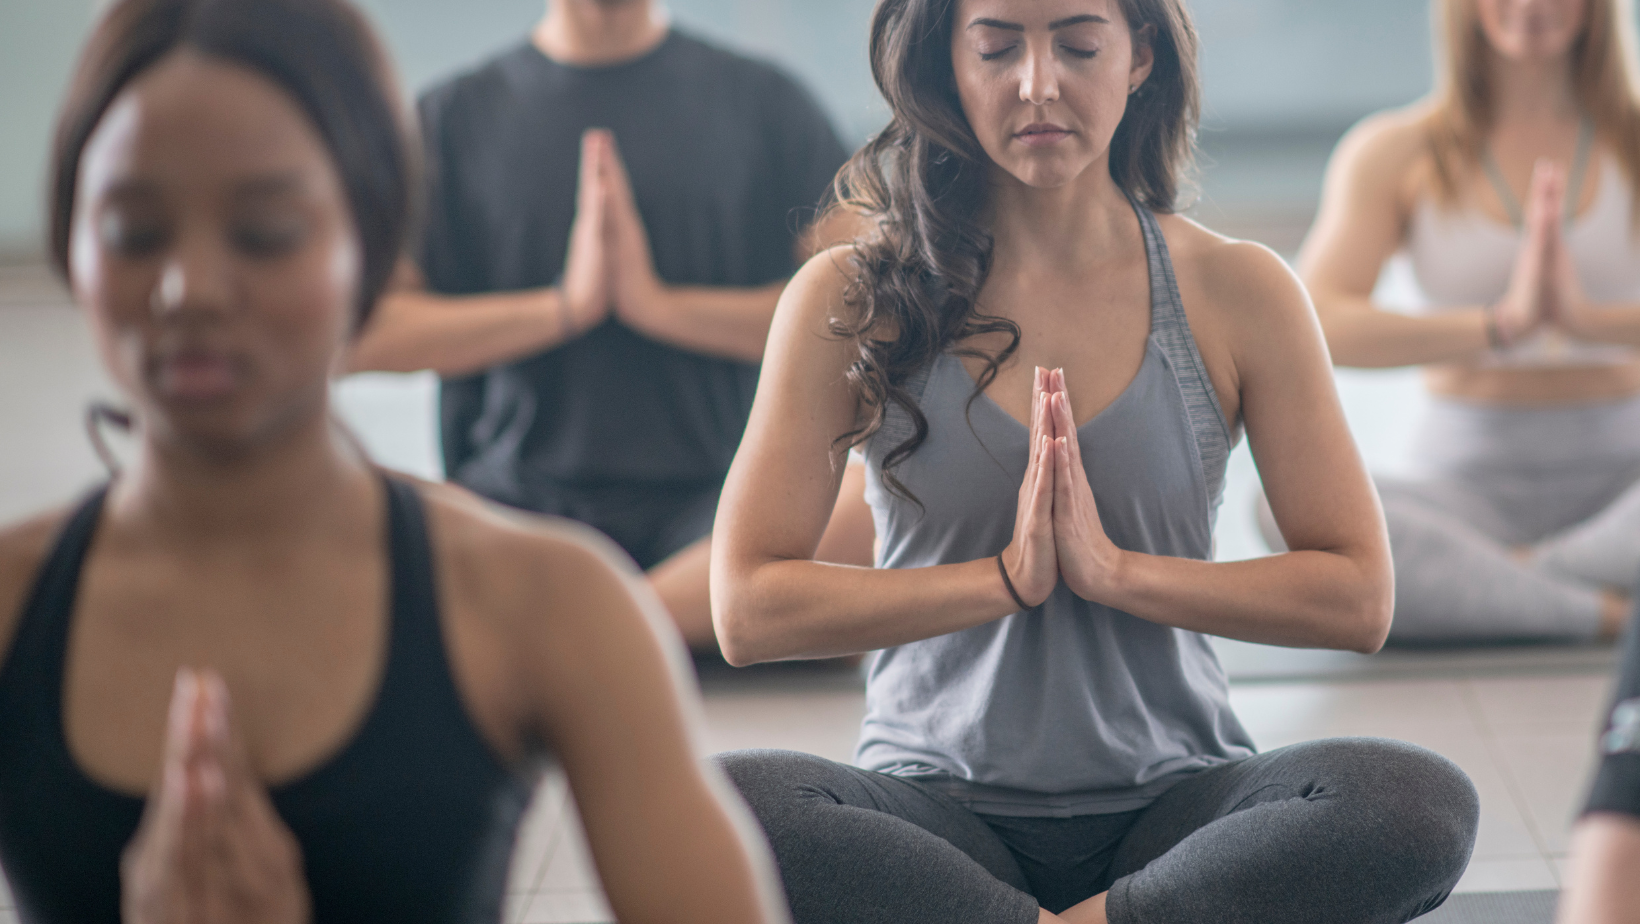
(1008, 583)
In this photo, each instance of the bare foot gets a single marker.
(1091, 911)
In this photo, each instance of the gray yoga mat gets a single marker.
(1495, 908)
(1249, 663)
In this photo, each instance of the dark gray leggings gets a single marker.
(1356, 830)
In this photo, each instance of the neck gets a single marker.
(1532, 91)
(1060, 227)
(594, 33)
(201, 498)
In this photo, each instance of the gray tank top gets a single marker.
(1068, 708)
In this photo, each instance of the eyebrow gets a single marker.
(1054, 26)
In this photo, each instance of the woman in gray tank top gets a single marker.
(1048, 734)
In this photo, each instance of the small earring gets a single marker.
(1133, 89)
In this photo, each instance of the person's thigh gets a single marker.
(856, 847)
(1352, 830)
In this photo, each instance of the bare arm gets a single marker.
(1603, 887)
(671, 840)
(1361, 223)
(1336, 588)
(770, 599)
(456, 336)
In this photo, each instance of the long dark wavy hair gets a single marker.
(923, 180)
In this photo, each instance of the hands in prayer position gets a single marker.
(210, 848)
(1057, 531)
(609, 268)
(1544, 290)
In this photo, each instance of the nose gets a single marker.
(1039, 82)
(193, 278)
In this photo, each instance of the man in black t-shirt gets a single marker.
(614, 208)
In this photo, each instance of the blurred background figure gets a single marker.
(613, 209)
(1512, 191)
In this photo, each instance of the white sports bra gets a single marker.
(1461, 257)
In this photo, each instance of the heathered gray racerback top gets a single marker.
(1071, 707)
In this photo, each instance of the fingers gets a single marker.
(1546, 200)
(1042, 502)
(1038, 388)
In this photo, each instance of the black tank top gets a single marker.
(413, 820)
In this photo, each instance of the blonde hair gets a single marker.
(1604, 78)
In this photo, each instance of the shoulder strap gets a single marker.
(34, 666)
(1574, 181)
(1170, 329)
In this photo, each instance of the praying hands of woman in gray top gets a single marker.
(1057, 532)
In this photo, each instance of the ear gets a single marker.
(1144, 54)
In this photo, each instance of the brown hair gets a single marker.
(923, 179)
(321, 52)
(1603, 77)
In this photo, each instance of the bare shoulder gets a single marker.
(817, 293)
(1238, 280)
(23, 550)
(504, 565)
(1386, 153)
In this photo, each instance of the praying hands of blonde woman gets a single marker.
(210, 848)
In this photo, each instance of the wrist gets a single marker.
(1010, 593)
(640, 303)
(1496, 337)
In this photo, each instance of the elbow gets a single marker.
(739, 635)
(734, 642)
(1371, 617)
(1371, 630)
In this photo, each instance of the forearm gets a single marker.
(1364, 335)
(1611, 323)
(720, 321)
(782, 610)
(1602, 887)
(725, 875)
(1304, 599)
(459, 335)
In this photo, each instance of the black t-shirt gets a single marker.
(1617, 785)
(729, 158)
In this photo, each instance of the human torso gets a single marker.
(701, 133)
(394, 770)
(1070, 707)
(1463, 253)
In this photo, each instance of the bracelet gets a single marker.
(1494, 333)
(1006, 582)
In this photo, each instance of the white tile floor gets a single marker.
(1525, 740)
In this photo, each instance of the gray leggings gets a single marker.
(1356, 830)
(1561, 482)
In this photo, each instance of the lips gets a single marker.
(1042, 134)
(196, 375)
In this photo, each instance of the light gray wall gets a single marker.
(1282, 65)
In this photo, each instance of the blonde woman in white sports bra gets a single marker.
(1512, 191)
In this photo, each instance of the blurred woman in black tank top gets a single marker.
(255, 678)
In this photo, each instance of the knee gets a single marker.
(772, 781)
(1418, 805)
